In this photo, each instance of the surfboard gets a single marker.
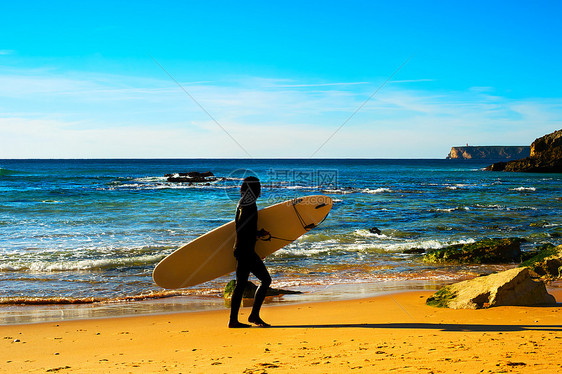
(212, 254)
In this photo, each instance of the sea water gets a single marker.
(91, 231)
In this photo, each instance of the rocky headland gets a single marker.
(489, 152)
(545, 157)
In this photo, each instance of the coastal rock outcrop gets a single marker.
(545, 157)
(191, 177)
(489, 152)
(547, 263)
(510, 287)
(485, 251)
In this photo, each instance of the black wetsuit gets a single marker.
(247, 261)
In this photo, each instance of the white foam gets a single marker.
(367, 234)
(81, 265)
(424, 244)
(376, 190)
(338, 191)
(523, 189)
(449, 210)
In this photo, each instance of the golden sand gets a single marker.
(391, 333)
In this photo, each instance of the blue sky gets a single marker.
(92, 79)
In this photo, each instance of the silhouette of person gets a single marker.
(247, 261)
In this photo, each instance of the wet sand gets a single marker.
(389, 333)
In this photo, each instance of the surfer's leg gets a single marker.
(260, 271)
(242, 274)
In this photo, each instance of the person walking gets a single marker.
(247, 260)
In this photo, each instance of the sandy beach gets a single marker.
(390, 333)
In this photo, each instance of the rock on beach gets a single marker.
(510, 287)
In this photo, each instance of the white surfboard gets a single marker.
(212, 255)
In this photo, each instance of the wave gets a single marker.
(360, 241)
(7, 172)
(522, 189)
(69, 300)
(376, 190)
(422, 244)
(449, 210)
(80, 265)
(349, 190)
(368, 234)
(503, 207)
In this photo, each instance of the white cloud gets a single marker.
(95, 115)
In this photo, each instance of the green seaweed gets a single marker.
(485, 251)
(441, 298)
(546, 250)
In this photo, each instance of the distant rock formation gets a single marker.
(510, 287)
(545, 157)
(489, 152)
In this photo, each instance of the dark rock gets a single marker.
(374, 230)
(414, 251)
(486, 251)
(191, 177)
(251, 288)
(545, 157)
(498, 166)
(510, 287)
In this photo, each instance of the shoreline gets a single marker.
(43, 313)
(14, 314)
(389, 332)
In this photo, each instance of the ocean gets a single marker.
(91, 231)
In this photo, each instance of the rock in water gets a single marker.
(375, 230)
(510, 287)
(485, 251)
(191, 177)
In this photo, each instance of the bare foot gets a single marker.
(237, 325)
(258, 322)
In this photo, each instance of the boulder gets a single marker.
(546, 157)
(486, 251)
(251, 288)
(510, 287)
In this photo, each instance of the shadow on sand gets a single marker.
(430, 326)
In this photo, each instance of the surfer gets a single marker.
(247, 261)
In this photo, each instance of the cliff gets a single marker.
(545, 157)
(489, 152)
